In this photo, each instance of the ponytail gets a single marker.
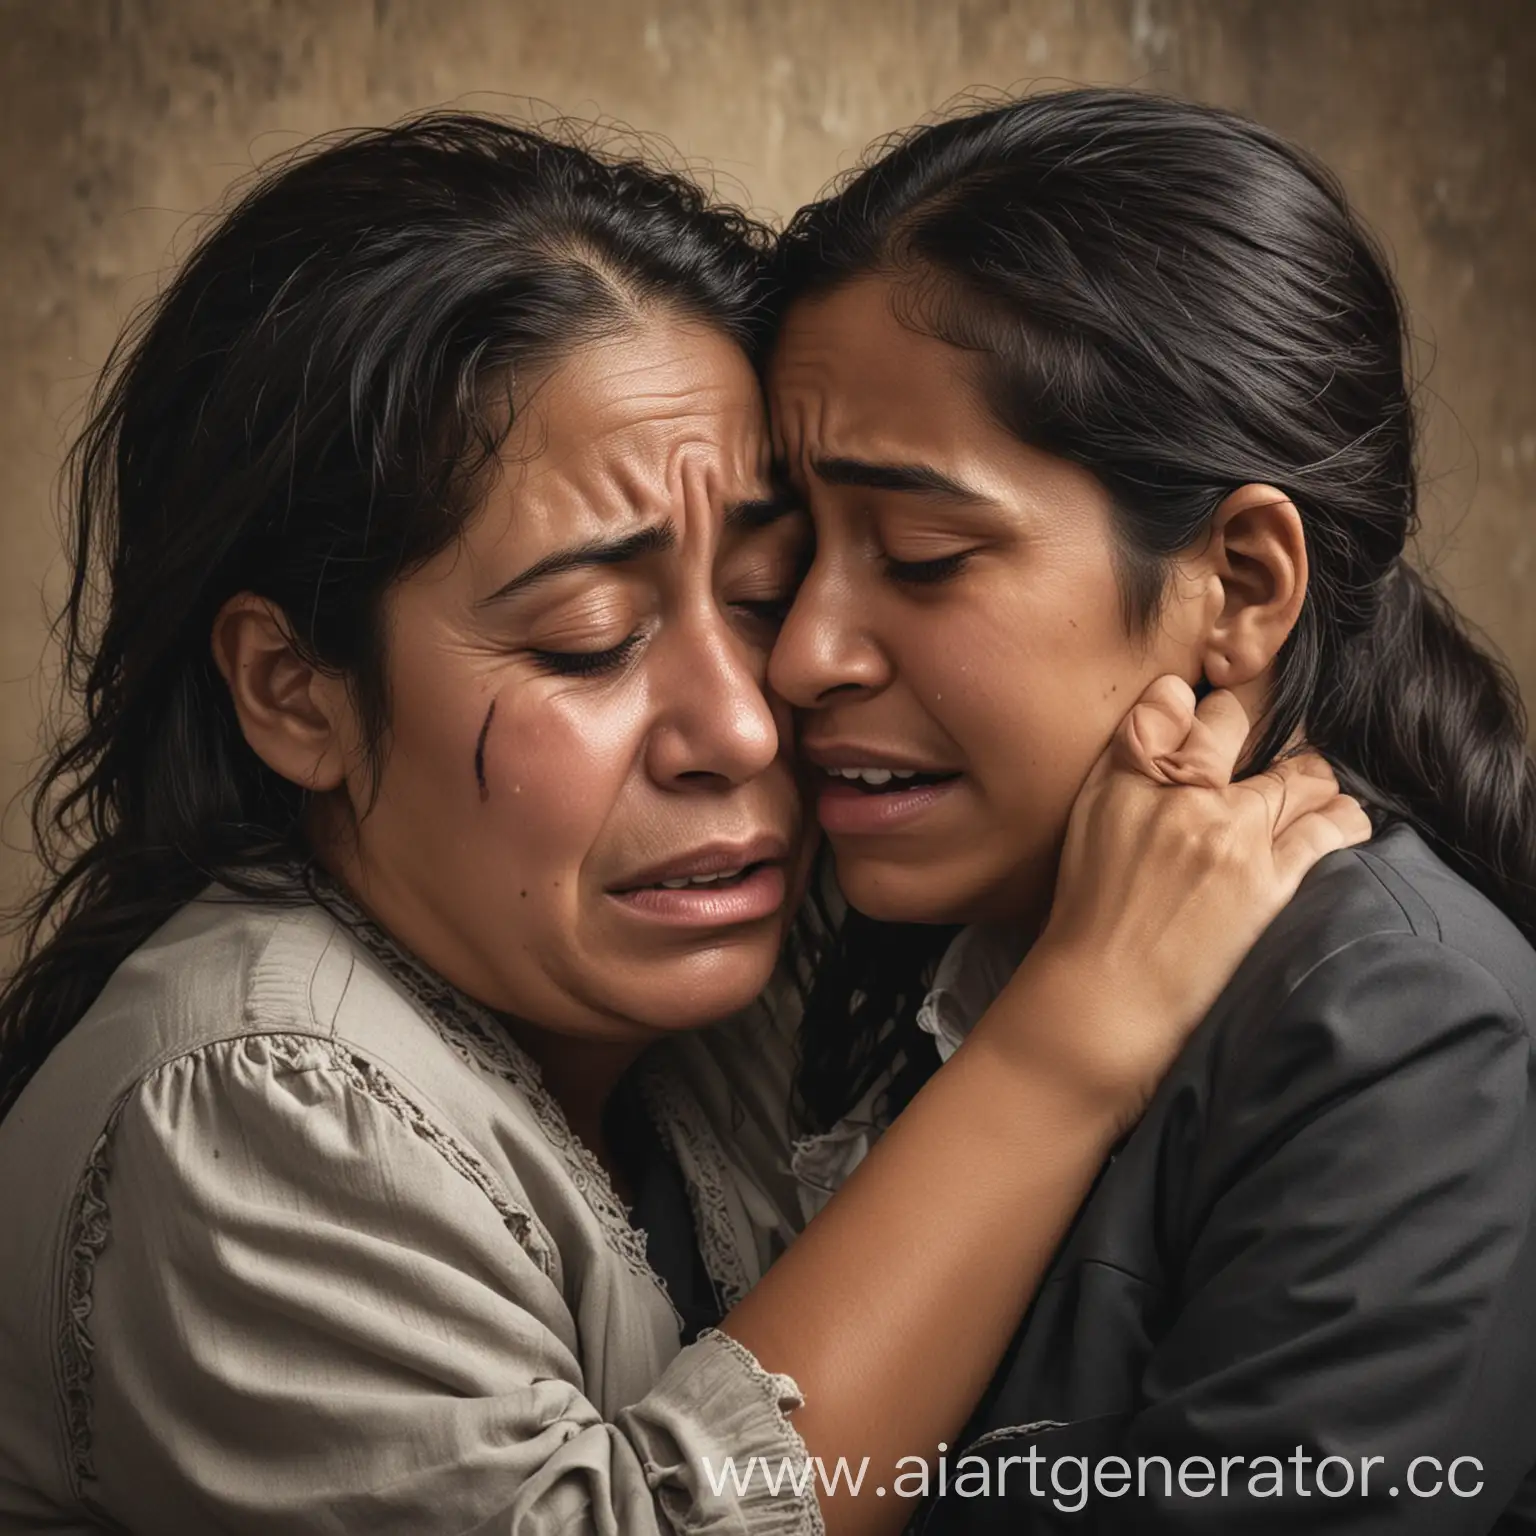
(1422, 722)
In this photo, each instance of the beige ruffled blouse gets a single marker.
(292, 1239)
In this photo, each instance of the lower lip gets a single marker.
(843, 808)
(760, 895)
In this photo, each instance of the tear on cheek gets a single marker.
(485, 730)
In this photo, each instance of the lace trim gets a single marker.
(366, 1078)
(681, 1123)
(472, 1032)
(782, 1391)
(783, 1394)
(89, 1228)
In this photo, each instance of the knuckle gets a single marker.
(1204, 836)
(1131, 733)
(1171, 691)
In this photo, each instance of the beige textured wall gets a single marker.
(120, 119)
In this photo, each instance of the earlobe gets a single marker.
(1258, 552)
(292, 716)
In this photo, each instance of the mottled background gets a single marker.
(121, 119)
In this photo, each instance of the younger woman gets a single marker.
(1083, 389)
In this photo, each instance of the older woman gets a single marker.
(424, 781)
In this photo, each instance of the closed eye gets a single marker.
(587, 663)
(927, 572)
(767, 610)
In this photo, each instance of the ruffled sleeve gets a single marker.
(309, 1308)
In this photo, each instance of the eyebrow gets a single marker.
(595, 552)
(914, 479)
(740, 517)
(747, 516)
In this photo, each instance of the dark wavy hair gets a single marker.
(1182, 302)
(304, 414)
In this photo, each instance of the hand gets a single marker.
(1169, 874)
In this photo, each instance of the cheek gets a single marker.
(1032, 690)
(501, 788)
(554, 769)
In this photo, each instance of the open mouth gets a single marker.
(722, 881)
(858, 800)
(711, 887)
(884, 781)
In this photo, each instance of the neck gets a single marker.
(581, 1075)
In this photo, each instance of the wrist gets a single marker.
(1070, 1021)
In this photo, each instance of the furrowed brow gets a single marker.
(913, 479)
(595, 552)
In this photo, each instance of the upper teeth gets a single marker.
(873, 775)
(677, 885)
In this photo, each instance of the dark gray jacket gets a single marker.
(1318, 1242)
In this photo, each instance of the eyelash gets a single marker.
(927, 572)
(598, 663)
(587, 663)
(767, 610)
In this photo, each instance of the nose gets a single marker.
(825, 650)
(715, 725)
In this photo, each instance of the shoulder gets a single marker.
(227, 969)
(1385, 964)
(1376, 1043)
(237, 1012)
(1441, 906)
(1392, 912)
(238, 1106)
(221, 968)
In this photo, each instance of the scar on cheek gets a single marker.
(485, 730)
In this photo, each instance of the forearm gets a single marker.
(892, 1310)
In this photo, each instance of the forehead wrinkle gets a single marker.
(608, 476)
(619, 392)
(645, 419)
(801, 415)
(826, 418)
(843, 365)
(643, 424)
(706, 483)
(800, 395)
(657, 411)
(689, 380)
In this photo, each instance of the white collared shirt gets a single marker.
(974, 969)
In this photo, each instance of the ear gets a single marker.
(1258, 554)
(296, 719)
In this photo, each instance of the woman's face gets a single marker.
(960, 634)
(586, 816)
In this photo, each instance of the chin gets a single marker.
(702, 991)
(995, 872)
(957, 890)
(899, 893)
